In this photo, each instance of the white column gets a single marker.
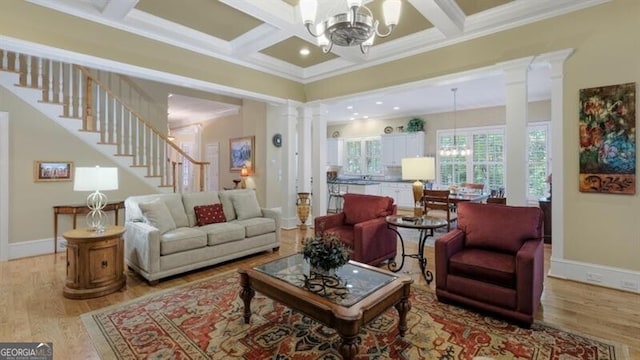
(304, 150)
(319, 160)
(281, 163)
(556, 61)
(516, 130)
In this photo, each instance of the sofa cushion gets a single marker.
(174, 203)
(258, 226)
(182, 239)
(358, 208)
(227, 204)
(499, 227)
(487, 266)
(209, 214)
(191, 200)
(158, 215)
(221, 233)
(246, 205)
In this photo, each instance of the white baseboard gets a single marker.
(32, 248)
(616, 278)
(289, 223)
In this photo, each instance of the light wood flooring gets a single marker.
(32, 307)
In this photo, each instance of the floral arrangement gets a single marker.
(325, 252)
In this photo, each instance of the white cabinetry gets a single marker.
(334, 151)
(401, 192)
(394, 147)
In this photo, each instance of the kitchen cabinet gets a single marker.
(401, 192)
(334, 151)
(395, 147)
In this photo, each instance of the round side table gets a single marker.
(95, 262)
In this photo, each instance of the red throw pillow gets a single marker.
(209, 214)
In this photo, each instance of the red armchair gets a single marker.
(361, 225)
(493, 261)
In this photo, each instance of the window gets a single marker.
(487, 163)
(538, 150)
(484, 166)
(363, 156)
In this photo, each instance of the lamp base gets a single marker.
(418, 190)
(96, 218)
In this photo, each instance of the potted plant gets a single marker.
(325, 253)
(415, 124)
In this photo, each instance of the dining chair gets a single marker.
(436, 203)
(471, 186)
(497, 200)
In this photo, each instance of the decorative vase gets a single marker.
(303, 207)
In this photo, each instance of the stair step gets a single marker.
(51, 102)
(89, 131)
(70, 117)
(123, 155)
(105, 143)
(29, 87)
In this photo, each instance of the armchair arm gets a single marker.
(142, 246)
(447, 245)
(321, 223)
(276, 215)
(372, 238)
(530, 275)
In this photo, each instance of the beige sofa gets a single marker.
(162, 237)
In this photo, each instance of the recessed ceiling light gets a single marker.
(349, 107)
(378, 102)
(366, 117)
(355, 114)
(304, 51)
(396, 108)
(352, 118)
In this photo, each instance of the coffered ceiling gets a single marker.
(268, 35)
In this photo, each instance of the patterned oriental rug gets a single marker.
(203, 320)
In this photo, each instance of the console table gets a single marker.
(76, 209)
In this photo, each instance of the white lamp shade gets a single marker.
(95, 178)
(308, 9)
(391, 11)
(419, 168)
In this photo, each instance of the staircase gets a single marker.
(105, 111)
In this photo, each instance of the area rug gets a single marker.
(203, 320)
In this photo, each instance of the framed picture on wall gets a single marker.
(241, 153)
(52, 171)
(608, 139)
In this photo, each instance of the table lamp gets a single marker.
(96, 179)
(418, 168)
(244, 172)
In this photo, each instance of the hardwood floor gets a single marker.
(32, 307)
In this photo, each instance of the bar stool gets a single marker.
(336, 192)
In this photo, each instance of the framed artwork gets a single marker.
(52, 171)
(608, 139)
(241, 153)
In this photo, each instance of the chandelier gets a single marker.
(454, 150)
(352, 24)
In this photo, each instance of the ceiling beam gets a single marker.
(445, 15)
(117, 9)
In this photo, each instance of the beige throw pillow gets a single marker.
(158, 215)
(246, 205)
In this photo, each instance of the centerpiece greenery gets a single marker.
(415, 124)
(325, 252)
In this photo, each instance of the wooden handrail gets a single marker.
(140, 117)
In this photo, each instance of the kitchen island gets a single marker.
(367, 187)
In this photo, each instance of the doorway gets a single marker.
(212, 156)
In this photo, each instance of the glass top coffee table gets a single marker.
(346, 301)
(425, 225)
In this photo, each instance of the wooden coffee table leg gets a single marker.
(349, 334)
(246, 294)
(403, 307)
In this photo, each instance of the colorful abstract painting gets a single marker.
(608, 139)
